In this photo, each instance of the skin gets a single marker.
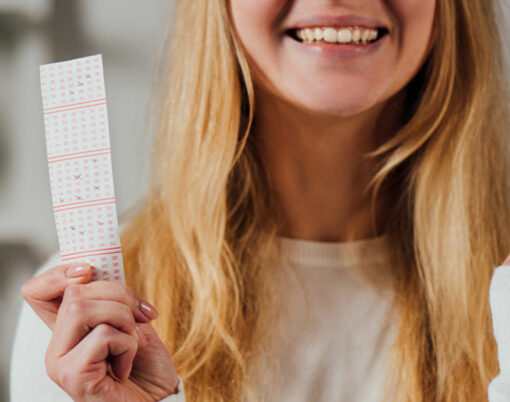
(315, 117)
(103, 347)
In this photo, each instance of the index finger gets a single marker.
(44, 292)
(142, 310)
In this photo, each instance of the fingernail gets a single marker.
(139, 335)
(149, 311)
(76, 271)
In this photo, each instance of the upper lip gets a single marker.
(338, 21)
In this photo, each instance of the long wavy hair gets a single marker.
(202, 243)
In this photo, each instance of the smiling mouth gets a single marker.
(354, 35)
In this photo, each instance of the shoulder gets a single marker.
(500, 286)
(499, 298)
(28, 378)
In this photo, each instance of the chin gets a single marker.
(340, 106)
(342, 100)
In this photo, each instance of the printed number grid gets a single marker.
(79, 160)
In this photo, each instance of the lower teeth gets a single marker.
(339, 43)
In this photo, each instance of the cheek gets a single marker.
(415, 22)
(256, 21)
(257, 26)
(338, 88)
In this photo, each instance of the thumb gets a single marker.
(153, 366)
(150, 341)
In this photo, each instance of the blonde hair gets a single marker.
(201, 247)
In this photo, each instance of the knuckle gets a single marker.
(76, 307)
(130, 292)
(124, 293)
(72, 292)
(26, 289)
(65, 378)
(104, 331)
(101, 388)
(51, 367)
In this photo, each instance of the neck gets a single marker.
(317, 169)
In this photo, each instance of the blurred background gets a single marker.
(128, 34)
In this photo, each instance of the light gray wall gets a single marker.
(127, 34)
(33, 32)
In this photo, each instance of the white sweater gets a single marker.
(333, 340)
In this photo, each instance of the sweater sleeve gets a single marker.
(28, 378)
(178, 397)
(499, 298)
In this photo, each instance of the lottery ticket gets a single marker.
(79, 161)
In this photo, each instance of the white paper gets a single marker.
(79, 160)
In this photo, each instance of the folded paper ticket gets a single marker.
(79, 161)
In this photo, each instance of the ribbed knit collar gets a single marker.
(368, 251)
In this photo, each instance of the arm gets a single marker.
(28, 378)
(499, 297)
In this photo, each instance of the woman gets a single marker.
(329, 196)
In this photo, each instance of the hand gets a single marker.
(103, 347)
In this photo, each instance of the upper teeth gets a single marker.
(342, 35)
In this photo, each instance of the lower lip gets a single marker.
(338, 50)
